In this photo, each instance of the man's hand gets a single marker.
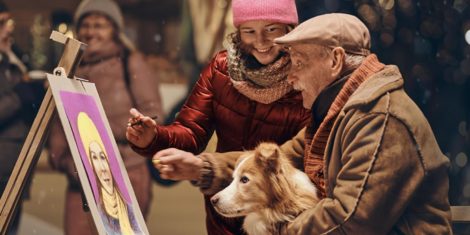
(176, 164)
(140, 129)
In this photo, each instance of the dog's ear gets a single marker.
(267, 157)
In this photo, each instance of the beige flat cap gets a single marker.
(332, 30)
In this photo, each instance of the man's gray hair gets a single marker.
(352, 61)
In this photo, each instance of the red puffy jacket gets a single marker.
(240, 123)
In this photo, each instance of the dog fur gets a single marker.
(267, 189)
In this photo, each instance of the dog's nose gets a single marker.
(214, 200)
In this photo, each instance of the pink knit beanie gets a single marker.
(279, 11)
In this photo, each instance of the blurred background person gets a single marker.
(243, 95)
(123, 80)
(19, 98)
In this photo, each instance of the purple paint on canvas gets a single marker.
(74, 103)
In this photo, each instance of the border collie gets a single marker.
(267, 189)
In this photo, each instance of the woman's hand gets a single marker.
(140, 129)
(176, 164)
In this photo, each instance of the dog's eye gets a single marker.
(244, 179)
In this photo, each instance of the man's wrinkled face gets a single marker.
(311, 70)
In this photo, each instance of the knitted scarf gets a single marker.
(315, 143)
(266, 84)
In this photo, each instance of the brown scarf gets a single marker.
(315, 147)
(266, 84)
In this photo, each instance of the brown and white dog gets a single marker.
(267, 189)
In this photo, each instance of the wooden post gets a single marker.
(34, 142)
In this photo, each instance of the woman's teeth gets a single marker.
(263, 50)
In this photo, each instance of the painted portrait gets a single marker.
(97, 159)
(100, 163)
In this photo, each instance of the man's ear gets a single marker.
(338, 54)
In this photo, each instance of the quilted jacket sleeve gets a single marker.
(193, 126)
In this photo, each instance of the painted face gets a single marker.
(101, 166)
(310, 72)
(97, 31)
(6, 29)
(258, 36)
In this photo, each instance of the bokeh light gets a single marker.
(370, 16)
(387, 4)
(461, 159)
(62, 28)
(463, 128)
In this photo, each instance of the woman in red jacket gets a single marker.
(242, 95)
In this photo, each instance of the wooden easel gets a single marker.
(29, 155)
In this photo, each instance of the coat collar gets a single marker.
(386, 80)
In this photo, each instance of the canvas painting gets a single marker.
(101, 171)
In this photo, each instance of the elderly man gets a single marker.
(368, 146)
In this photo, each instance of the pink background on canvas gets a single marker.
(74, 103)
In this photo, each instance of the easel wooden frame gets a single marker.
(34, 142)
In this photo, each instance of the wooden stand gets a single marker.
(34, 142)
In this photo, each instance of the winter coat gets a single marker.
(384, 171)
(240, 123)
